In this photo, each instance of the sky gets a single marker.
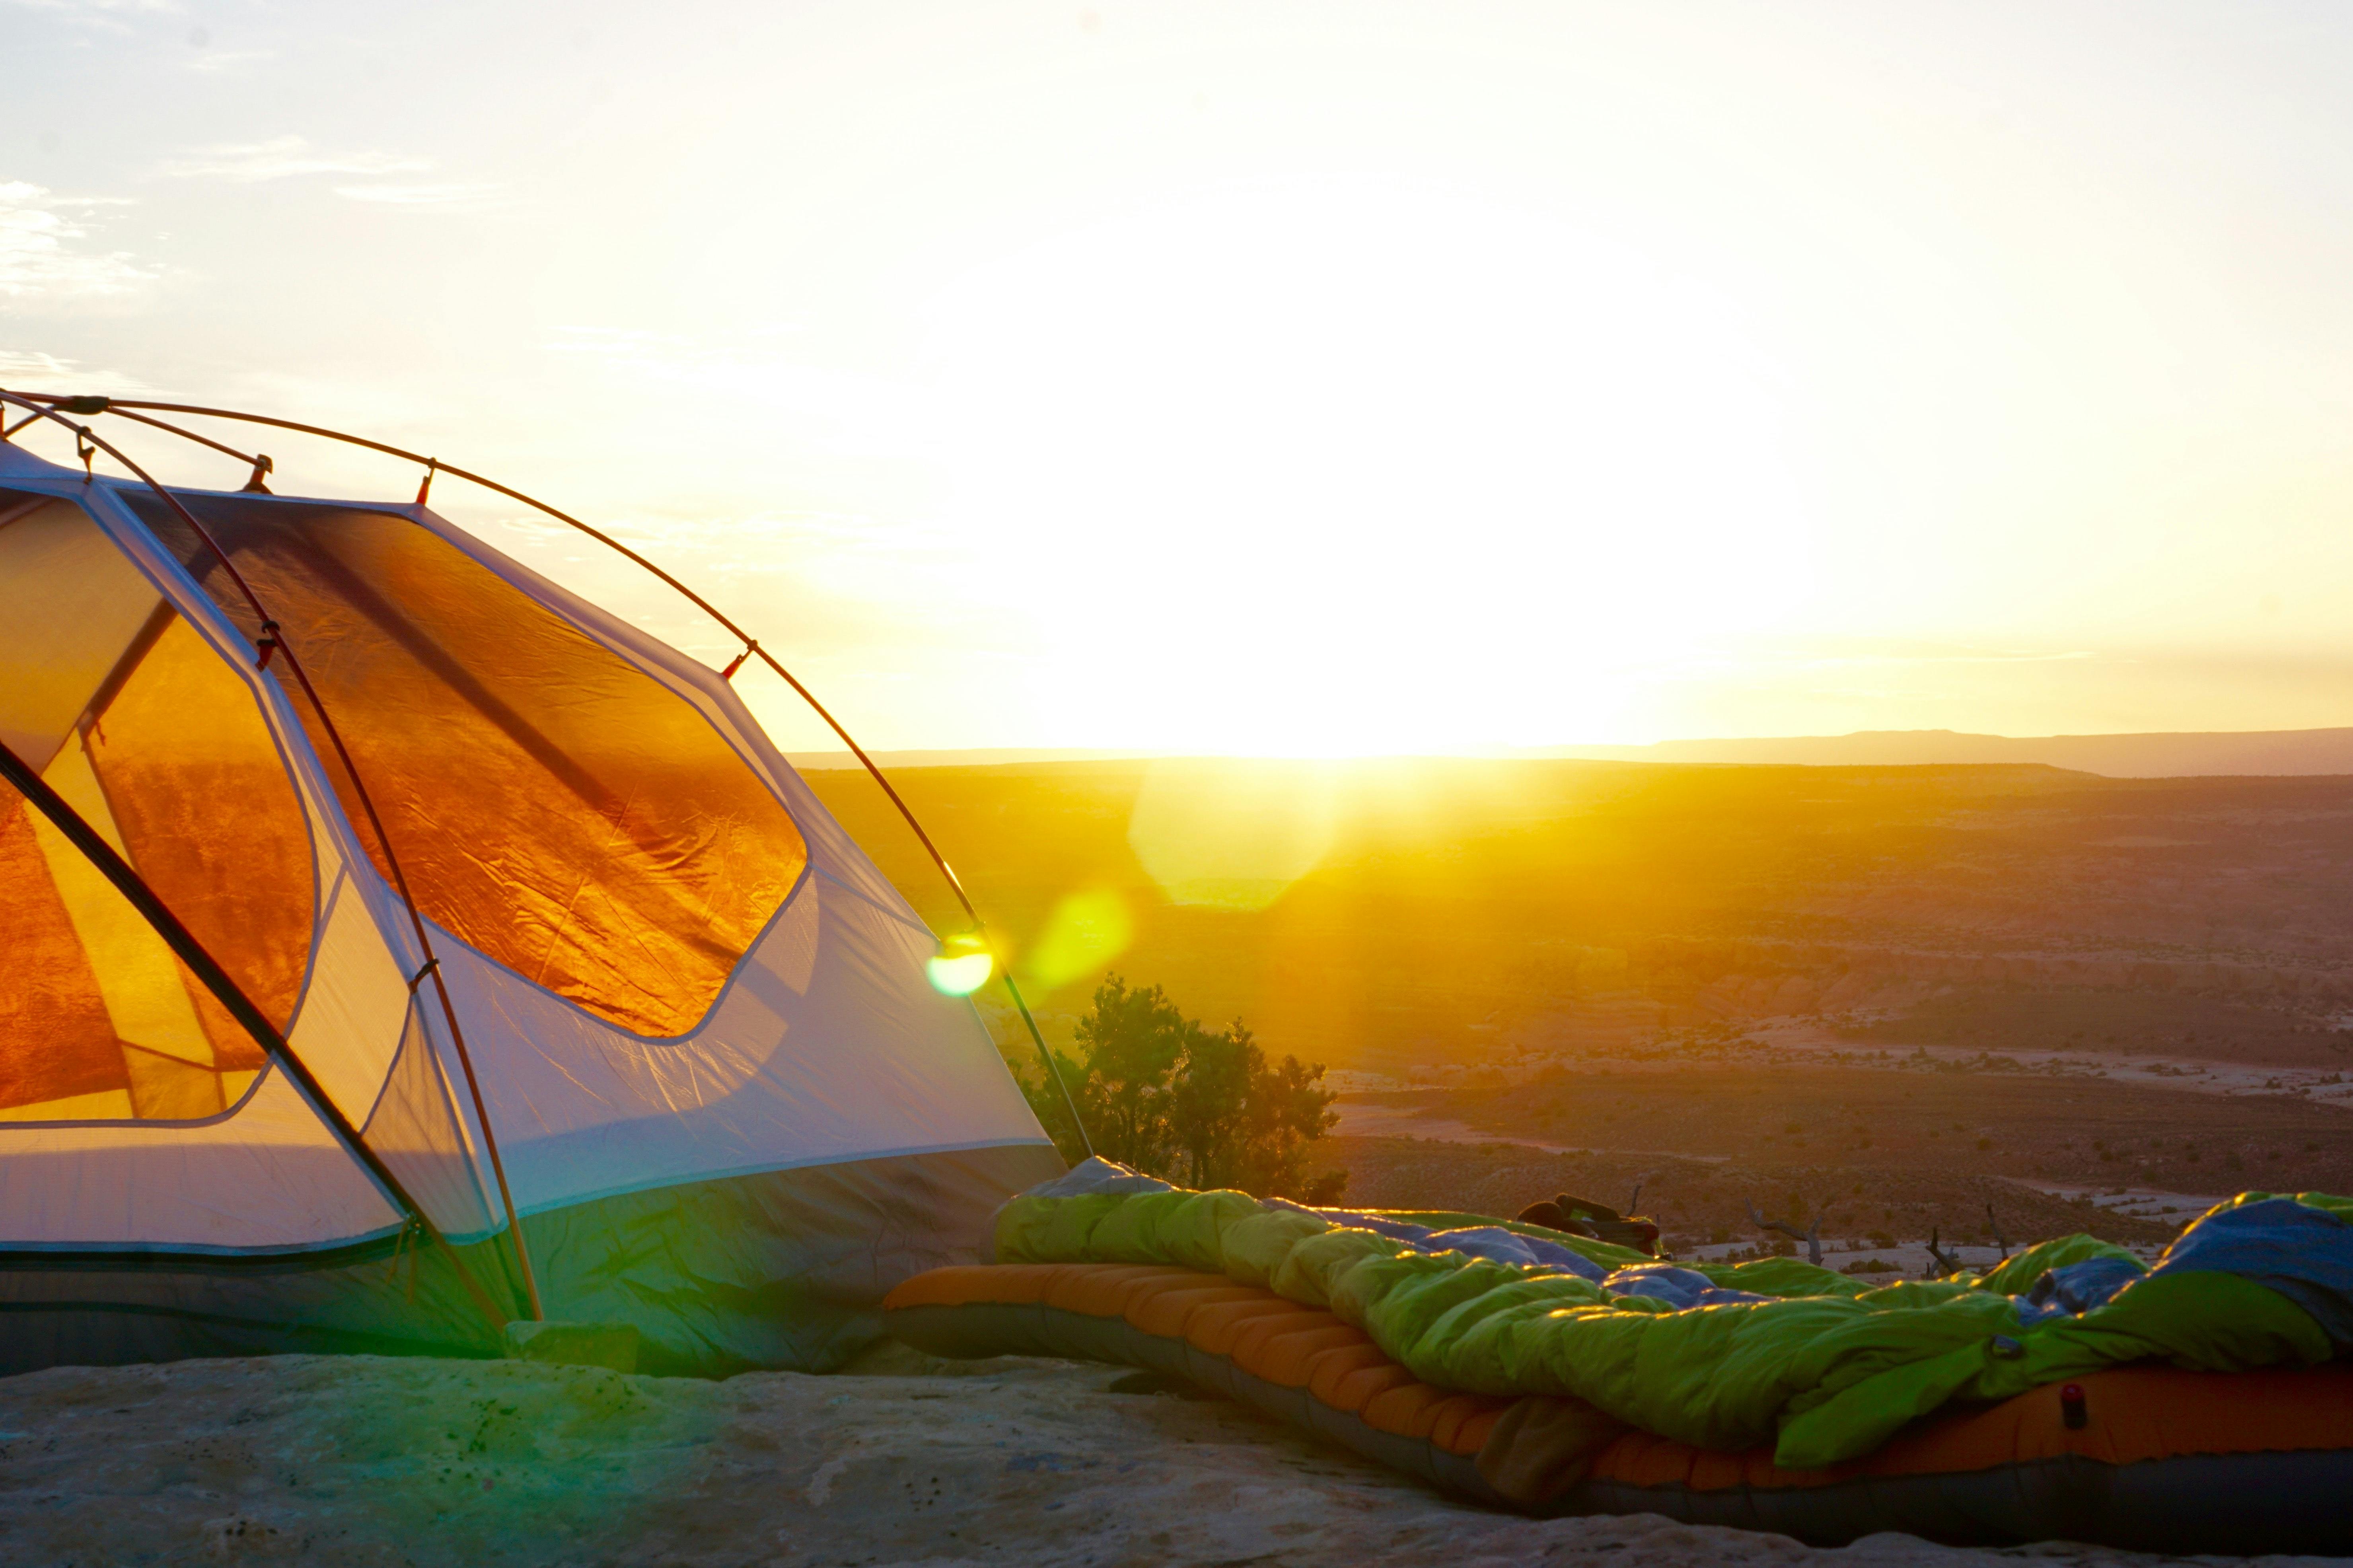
(1277, 377)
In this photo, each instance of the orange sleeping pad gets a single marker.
(2145, 1457)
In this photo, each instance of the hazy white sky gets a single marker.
(1283, 377)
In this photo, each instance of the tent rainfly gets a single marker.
(480, 959)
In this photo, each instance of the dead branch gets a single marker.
(1940, 1264)
(1999, 1239)
(1811, 1236)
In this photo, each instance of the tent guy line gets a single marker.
(94, 405)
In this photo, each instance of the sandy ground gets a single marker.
(2140, 1203)
(368, 1461)
(1801, 1042)
(1358, 1119)
(2322, 1086)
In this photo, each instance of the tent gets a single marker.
(515, 972)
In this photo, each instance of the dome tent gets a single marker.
(516, 968)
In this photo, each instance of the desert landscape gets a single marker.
(1619, 783)
(1884, 996)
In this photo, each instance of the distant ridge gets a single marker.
(975, 757)
(2275, 752)
(2187, 754)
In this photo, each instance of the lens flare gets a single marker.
(1232, 835)
(959, 974)
(1086, 930)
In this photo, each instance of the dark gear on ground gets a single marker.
(1582, 1216)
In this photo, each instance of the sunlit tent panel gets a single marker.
(551, 804)
(158, 743)
(689, 1014)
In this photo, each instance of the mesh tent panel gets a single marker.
(415, 1131)
(160, 747)
(180, 749)
(71, 605)
(56, 1044)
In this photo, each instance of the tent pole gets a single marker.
(956, 884)
(273, 640)
(182, 942)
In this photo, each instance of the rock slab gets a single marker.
(368, 1461)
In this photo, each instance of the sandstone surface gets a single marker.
(387, 1463)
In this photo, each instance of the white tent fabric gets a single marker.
(828, 1043)
(825, 1047)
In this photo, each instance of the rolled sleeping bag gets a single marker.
(2142, 1458)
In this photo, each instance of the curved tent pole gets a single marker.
(751, 645)
(182, 942)
(274, 639)
(185, 434)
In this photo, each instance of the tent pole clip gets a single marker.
(266, 645)
(751, 646)
(85, 449)
(253, 485)
(425, 486)
(417, 979)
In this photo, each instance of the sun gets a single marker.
(1349, 466)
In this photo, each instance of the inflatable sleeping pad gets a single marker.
(2144, 1458)
(2074, 1393)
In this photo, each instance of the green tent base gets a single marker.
(782, 1268)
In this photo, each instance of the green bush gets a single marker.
(1164, 1095)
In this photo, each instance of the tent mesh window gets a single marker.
(138, 723)
(552, 805)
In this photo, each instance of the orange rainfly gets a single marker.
(552, 806)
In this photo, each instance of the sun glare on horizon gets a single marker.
(1360, 458)
(1226, 380)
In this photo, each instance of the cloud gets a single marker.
(213, 60)
(418, 196)
(280, 158)
(634, 344)
(29, 370)
(30, 367)
(41, 259)
(102, 14)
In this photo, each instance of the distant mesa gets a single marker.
(2190, 755)
(969, 757)
(2273, 753)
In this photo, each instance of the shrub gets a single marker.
(1164, 1095)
